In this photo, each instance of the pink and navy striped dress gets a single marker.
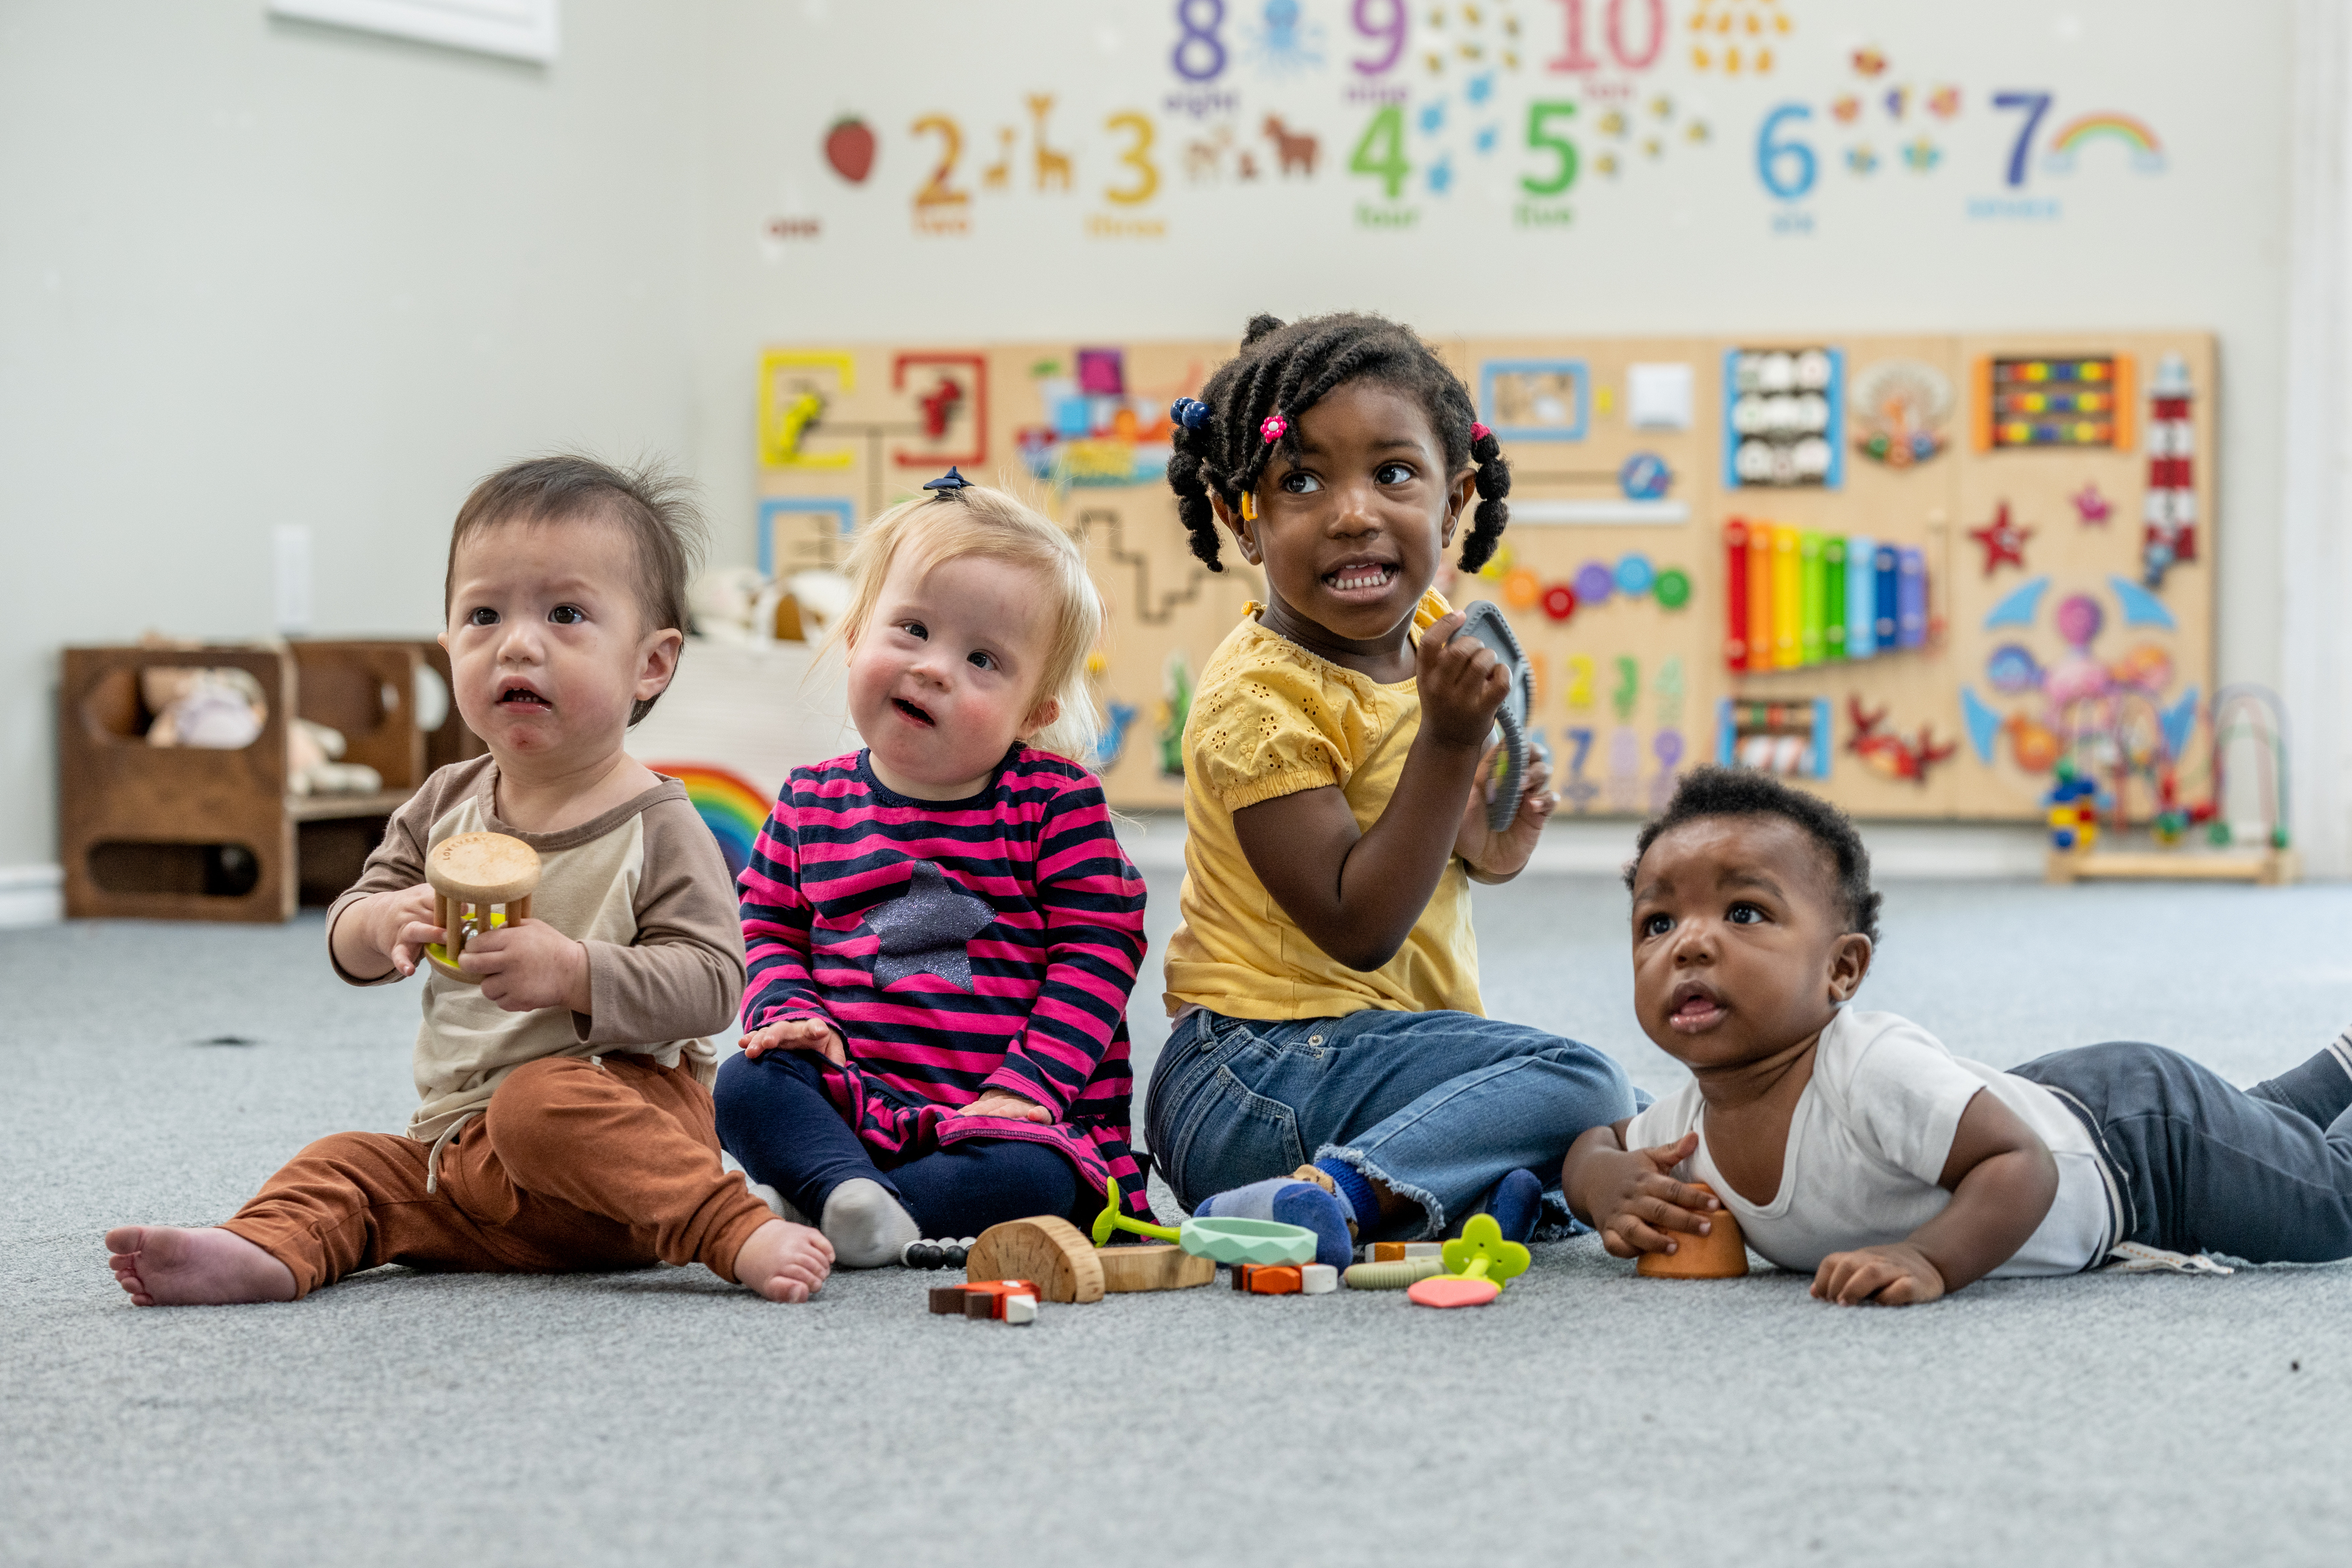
(958, 946)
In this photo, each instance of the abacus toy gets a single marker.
(480, 881)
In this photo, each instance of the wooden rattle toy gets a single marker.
(1478, 1264)
(480, 881)
(1720, 1254)
(1222, 1240)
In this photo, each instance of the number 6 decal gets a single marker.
(1774, 156)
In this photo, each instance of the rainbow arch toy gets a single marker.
(728, 804)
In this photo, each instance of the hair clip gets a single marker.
(946, 484)
(1274, 427)
(1249, 506)
(1478, 432)
(1189, 412)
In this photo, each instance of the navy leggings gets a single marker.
(773, 1115)
(2263, 1173)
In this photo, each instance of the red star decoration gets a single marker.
(2003, 541)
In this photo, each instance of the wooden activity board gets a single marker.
(1912, 573)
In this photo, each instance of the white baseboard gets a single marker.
(1600, 846)
(32, 895)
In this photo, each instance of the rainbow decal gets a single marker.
(2146, 155)
(728, 804)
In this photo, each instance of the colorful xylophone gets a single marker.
(1795, 597)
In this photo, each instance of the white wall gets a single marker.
(256, 273)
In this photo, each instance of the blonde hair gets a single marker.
(979, 521)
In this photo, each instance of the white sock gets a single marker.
(865, 1225)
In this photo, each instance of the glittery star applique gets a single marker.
(926, 930)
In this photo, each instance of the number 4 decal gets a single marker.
(1380, 153)
(2036, 105)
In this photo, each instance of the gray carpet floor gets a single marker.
(1587, 1417)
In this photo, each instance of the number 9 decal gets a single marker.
(1138, 157)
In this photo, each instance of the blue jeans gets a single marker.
(1437, 1107)
(2200, 1165)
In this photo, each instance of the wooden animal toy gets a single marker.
(1266, 1280)
(1478, 1264)
(1720, 1254)
(480, 881)
(1228, 1241)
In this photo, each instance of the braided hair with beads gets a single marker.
(1249, 410)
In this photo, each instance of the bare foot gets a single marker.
(165, 1267)
(784, 1261)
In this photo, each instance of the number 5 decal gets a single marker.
(1563, 174)
(1138, 157)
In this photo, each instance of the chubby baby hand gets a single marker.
(800, 1034)
(784, 1261)
(525, 966)
(1896, 1275)
(1004, 1103)
(403, 920)
(1643, 1206)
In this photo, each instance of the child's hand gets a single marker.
(1005, 1103)
(1640, 1205)
(800, 1034)
(1897, 1275)
(1462, 684)
(784, 1261)
(526, 965)
(403, 922)
(1502, 855)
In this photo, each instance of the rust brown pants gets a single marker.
(575, 1165)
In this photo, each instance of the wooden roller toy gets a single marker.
(1047, 1250)
(1720, 1254)
(480, 881)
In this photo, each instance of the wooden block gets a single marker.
(1425, 1249)
(1047, 1249)
(1398, 1251)
(979, 1298)
(1021, 1309)
(1317, 1280)
(1162, 1266)
(947, 1299)
(1388, 1252)
(1267, 1278)
(980, 1304)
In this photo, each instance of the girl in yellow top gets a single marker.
(1324, 979)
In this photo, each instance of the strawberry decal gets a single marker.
(849, 148)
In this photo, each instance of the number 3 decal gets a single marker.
(1138, 157)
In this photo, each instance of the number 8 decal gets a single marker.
(1197, 38)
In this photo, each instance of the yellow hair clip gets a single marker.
(1249, 506)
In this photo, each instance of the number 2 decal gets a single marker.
(938, 191)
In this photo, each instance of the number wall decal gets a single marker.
(1380, 153)
(2036, 105)
(940, 191)
(1200, 54)
(1573, 56)
(1787, 168)
(1136, 157)
(1563, 150)
(1390, 31)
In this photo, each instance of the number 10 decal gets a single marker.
(1572, 57)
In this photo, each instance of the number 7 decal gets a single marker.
(2036, 105)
